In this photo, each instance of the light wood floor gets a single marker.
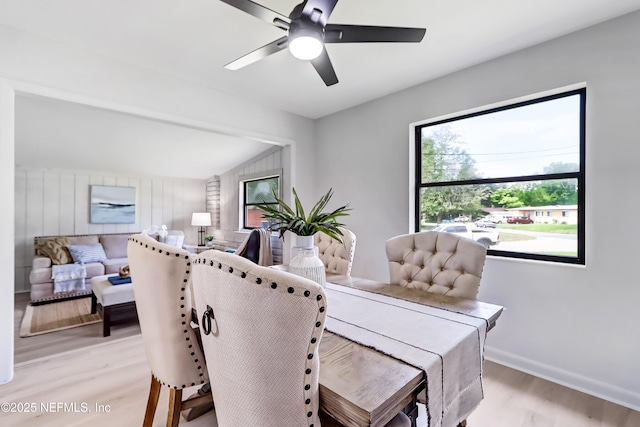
(30, 348)
(115, 374)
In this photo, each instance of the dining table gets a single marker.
(387, 347)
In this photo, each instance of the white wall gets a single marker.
(51, 203)
(32, 64)
(6, 231)
(275, 159)
(575, 325)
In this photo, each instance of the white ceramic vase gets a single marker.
(305, 261)
(305, 242)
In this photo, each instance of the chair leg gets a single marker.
(175, 405)
(152, 402)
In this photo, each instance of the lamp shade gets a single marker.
(201, 219)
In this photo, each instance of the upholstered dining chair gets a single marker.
(337, 257)
(161, 278)
(261, 330)
(257, 247)
(432, 261)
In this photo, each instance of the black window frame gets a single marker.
(580, 175)
(245, 205)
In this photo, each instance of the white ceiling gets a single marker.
(76, 137)
(193, 39)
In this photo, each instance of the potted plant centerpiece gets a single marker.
(283, 218)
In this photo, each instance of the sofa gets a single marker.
(54, 250)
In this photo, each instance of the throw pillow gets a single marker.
(57, 250)
(83, 254)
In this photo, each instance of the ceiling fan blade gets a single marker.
(260, 12)
(319, 10)
(339, 33)
(258, 54)
(323, 66)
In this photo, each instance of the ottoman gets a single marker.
(114, 303)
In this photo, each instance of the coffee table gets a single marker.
(114, 303)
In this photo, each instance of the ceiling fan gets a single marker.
(308, 31)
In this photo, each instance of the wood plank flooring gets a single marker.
(115, 376)
(30, 348)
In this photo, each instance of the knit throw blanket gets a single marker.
(265, 254)
(447, 346)
(68, 277)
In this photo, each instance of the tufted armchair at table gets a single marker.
(337, 257)
(261, 330)
(442, 263)
(161, 278)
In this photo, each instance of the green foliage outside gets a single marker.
(444, 159)
(543, 228)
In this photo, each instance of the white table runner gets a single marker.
(447, 346)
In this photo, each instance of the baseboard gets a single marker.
(572, 380)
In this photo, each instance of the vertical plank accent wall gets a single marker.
(57, 203)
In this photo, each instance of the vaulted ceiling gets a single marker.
(192, 40)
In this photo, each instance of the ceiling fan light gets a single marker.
(305, 47)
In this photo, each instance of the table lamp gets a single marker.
(202, 220)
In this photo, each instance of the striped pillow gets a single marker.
(83, 254)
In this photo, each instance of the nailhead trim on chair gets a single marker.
(293, 291)
(184, 314)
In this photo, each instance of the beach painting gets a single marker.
(113, 205)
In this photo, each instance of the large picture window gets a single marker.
(515, 173)
(257, 191)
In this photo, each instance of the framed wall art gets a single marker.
(113, 205)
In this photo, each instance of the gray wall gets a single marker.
(575, 325)
(51, 203)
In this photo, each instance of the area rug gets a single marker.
(42, 319)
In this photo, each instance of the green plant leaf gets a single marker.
(299, 208)
(283, 218)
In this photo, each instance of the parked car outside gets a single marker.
(484, 237)
(520, 220)
(499, 218)
(485, 223)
